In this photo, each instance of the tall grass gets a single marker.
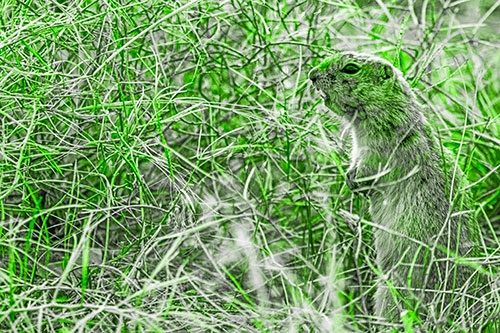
(166, 166)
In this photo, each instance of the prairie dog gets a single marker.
(417, 193)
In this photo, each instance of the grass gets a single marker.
(166, 165)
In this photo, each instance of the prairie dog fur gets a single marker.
(414, 186)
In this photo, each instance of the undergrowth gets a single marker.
(166, 165)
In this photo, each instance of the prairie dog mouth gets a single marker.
(324, 95)
(319, 83)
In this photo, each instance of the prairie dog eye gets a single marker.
(350, 69)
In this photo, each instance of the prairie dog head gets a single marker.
(358, 86)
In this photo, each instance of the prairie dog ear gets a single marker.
(386, 72)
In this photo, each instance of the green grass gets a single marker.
(166, 165)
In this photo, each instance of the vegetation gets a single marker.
(166, 165)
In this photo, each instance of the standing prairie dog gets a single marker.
(427, 233)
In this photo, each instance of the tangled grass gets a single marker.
(166, 167)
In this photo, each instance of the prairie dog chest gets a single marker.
(361, 152)
(355, 154)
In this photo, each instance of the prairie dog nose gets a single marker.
(314, 75)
